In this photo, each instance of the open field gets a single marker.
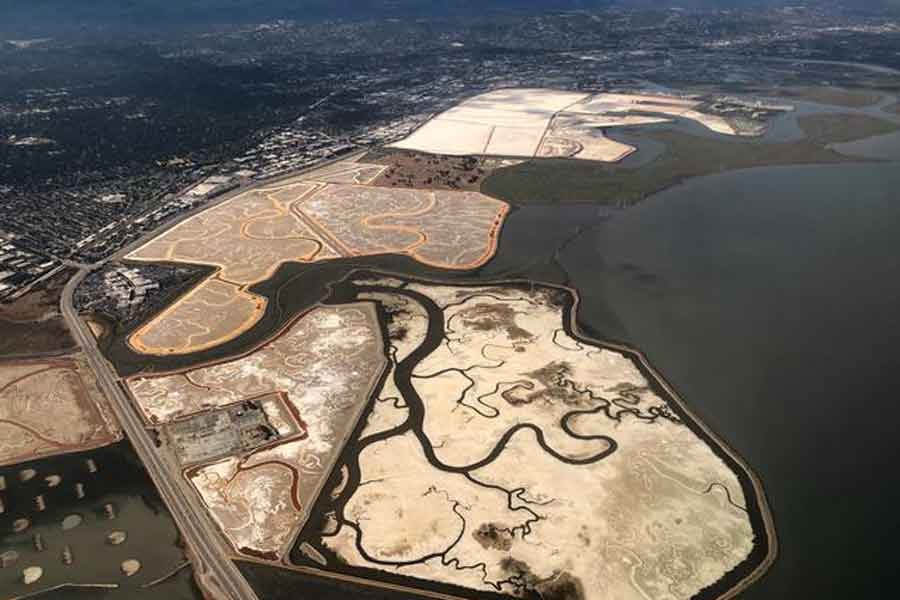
(408, 169)
(249, 236)
(324, 365)
(349, 172)
(32, 324)
(532, 463)
(580, 136)
(246, 238)
(518, 123)
(553, 181)
(50, 407)
(666, 106)
(508, 122)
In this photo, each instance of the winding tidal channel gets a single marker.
(330, 511)
(716, 281)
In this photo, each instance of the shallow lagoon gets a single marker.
(119, 480)
(769, 298)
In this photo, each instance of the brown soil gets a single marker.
(32, 324)
(430, 171)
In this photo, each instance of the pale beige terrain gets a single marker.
(436, 137)
(410, 317)
(212, 313)
(324, 365)
(523, 123)
(610, 103)
(50, 407)
(634, 506)
(260, 220)
(408, 511)
(577, 136)
(246, 238)
(349, 172)
(670, 106)
(509, 122)
(255, 507)
(305, 219)
(454, 230)
(509, 367)
(280, 415)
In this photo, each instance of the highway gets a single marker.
(208, 550)
(215, 571)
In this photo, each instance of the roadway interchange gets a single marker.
(215, 572)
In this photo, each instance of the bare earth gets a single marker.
(600, 492)
(418, 170)
(325, 364)
(528, 123)
(32, 324)
(306, 220)
(580, 136)
(50, 407)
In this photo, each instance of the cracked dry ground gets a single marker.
(504, 455)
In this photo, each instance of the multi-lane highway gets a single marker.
(216, 573)
(208, 550)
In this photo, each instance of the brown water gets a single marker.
(120, 481)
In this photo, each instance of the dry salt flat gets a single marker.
(531, 122)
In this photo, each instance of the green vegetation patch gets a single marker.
(838, 128)
(833, 96)
(554, 181)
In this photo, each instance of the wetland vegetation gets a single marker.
(686, 155)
